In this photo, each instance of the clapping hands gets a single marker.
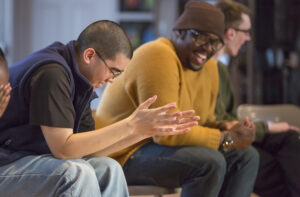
(151, 122)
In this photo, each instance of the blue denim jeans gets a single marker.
(46, 176)
(198, 170)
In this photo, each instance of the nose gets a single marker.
(207, 47)
(110, 80)
(248, 36)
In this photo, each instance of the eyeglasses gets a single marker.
(203, 39)
(114, 71)
(245, 31)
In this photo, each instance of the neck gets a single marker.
(78, 57)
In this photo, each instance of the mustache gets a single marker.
(202, 51)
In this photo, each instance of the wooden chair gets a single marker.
(155, 191)
(271, 113)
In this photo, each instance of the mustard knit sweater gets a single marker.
(156, 70)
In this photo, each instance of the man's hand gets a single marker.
(243, 134)
(228, 125)
(280, 127)
(157, 121)
(4, 97)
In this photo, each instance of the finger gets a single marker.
(169, 131)
(294, 128)
(165, 122)
(187, 125)
(189, 119)
(187, 113)
(163, 116)
(7, 90)
(147, 103)
(165, 108)
(175, 120)
(2, 91)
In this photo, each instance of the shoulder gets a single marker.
(158, 47)
(50, 74)
(51, 70)
(153, 57)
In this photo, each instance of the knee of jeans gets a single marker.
(110, 164)
(77, 170)
(211, 160)
(251, 155)
(217, 162)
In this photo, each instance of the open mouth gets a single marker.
(200, 57)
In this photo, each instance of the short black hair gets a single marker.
(107, 38)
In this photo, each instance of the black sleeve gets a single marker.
(50, 98)
(87, 122)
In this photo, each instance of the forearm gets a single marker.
(261, 130)
(82, 144)
(120, 145)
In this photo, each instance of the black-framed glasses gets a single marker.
(114, 70)
(203, 38)
(245, 31)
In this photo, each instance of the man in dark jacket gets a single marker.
(48, 145)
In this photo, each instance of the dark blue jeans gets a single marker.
(198, 170)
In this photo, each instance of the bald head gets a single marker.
(3, 69)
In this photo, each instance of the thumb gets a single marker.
(147, 103)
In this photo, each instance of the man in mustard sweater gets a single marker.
(277, 143)
(174, 70)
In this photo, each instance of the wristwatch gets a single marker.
(227, 142)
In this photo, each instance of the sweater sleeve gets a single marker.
(225, 107)
(158, 73)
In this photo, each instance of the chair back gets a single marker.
(271, 113)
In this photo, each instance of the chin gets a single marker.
(195, 67)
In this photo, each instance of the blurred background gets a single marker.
(266, 71)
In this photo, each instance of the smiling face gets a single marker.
(99, 71)
(236, 37)
(194, 50)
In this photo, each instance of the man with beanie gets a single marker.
(211, 159)
(48, 144)
(277, 143)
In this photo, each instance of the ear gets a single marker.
(88, 54)
(230, 34)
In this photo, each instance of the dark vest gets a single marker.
(17, 137)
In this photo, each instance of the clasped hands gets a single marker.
(242, 132)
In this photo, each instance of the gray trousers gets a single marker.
(46, 176)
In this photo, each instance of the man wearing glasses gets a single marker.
(48, 145)
(205, 161)
(277, 143)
